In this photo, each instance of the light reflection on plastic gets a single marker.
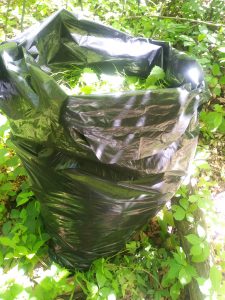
(130, 103)
(117, 123)
(8, 60)
(194, 74)
(3, 120)
(100, 151)
(145, 98)
(183, 95)
(141, 121)
(116, 46)
(129, 138)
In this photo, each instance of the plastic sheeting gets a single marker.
(101, 164)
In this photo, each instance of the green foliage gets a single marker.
(78, 81)
(213, 121)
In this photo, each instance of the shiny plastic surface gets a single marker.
(101, 165)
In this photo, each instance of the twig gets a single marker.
(178, 19)
(23, 14)
(6, 18)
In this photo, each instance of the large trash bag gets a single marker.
(102, 164)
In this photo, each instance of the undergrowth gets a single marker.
(153, 265)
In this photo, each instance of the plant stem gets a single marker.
(23, 14)
(178, 19)
(6, 18)
(81, 4)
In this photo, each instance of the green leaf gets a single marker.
(203, 203)
(216, 69)
(156, 74)
(195, 250)
(184, 203)
(179, 212)
(132, 246)
(168, 217)
(180, 258)
(204, 254)
(175, 291)
(213, 81)
(215, 277)
(6, 187)
(192, 271)
(222, 80)
(23, 198)
(101, 280)
(219, 108)
(174, 269)
(6, 241)
(105, 292)
(193, 239)
(212, 120)
(221, 128)
(184, 276)
(190, 217)
(193, 198)
(217, 90)
(21, 250)
(201, 37)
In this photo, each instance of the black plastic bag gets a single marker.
(101, 165)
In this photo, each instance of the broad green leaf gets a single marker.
(217, 90)
(100, 279)
(184, 203)
(179, 212)
(219, 108)
(201, 37)
(180, 258)
(6, 187)
(168, 217)
(6, 241)
(192, 271)
(221, 128)
(193, 239)
(184, 276)
(156, 74)
(21, 250)
(213, 81)
(132, 246)
(190, 217)
(212, 120)
(193, 198)
(204, 254)
(216, 70)
(23, 198)
(175, 291)
(203, 203)
(196, 250)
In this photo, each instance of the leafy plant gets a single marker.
(153, 265)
